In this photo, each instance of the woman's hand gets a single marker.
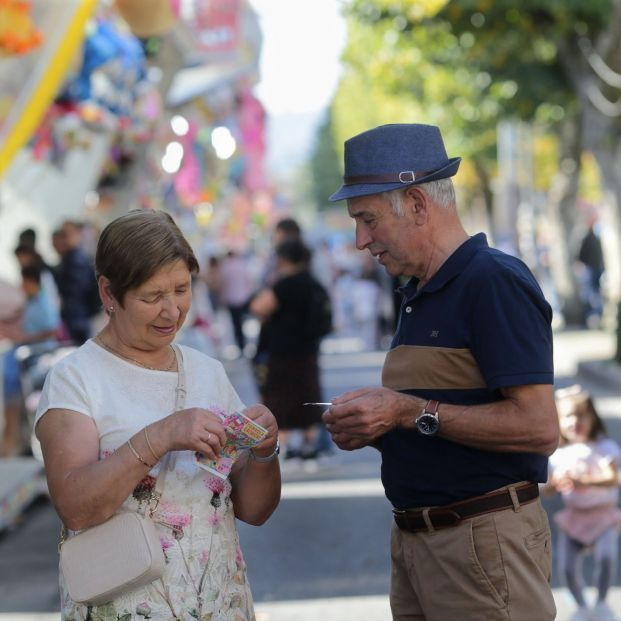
(193, 429)
(256, 486)
(262, 416)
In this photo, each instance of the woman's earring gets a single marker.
(111, 309)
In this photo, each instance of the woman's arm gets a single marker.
(86, 490)
(257, 485)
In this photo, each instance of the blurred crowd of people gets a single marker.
(60, 305)
(363, 296)
(262, 309)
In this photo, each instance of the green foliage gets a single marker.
(324, 165)
(461, 64)
(405, 65)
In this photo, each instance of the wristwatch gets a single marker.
(428, 422)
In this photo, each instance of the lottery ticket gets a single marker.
(241, 433)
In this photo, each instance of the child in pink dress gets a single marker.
(584, 471)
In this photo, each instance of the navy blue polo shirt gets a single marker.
(480, 324)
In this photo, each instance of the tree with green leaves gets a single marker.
(324, 165)
(467, 64)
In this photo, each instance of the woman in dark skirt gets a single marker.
(288, 312)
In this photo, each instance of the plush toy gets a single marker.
(147, 18)
(18, 35)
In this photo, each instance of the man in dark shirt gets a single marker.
(591, 256)
(465, 418)
(75, 279)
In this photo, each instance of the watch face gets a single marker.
(427, 424)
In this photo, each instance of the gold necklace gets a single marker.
(144, 366)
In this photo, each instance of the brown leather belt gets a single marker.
(413, 520)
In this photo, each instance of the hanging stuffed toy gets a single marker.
(18, 35)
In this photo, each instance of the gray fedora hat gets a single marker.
(394, 156)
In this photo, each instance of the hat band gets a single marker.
(405, 176)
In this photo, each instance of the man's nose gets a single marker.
(363, 239)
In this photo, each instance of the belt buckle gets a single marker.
(401, 519)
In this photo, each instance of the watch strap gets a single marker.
(432, 407)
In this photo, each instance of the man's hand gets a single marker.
(358, 418)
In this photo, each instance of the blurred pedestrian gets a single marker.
(292, 347)
(39, 323)
(236, 287)
(466, 415)
(286, 228)
(365, 295)
(591, 258)
(28, 238)
(584, 471)
(213, 280)
(75, 279)
(26, 255)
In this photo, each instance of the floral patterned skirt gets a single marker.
(205, 577)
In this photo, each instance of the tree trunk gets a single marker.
(487, 195)
(608, 156)
(562, 218)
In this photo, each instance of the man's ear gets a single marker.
(418, 202)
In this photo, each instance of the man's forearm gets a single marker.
(510, 425)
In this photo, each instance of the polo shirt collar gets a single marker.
(451, 268)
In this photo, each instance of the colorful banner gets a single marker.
(29, 82)
(217, 26)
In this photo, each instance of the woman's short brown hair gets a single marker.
(136, 245)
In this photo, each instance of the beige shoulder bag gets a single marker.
(124, 553)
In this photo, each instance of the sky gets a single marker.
(299, 72)
(302, 42)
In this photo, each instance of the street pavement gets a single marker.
(324, 553)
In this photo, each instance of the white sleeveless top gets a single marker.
(205, 573)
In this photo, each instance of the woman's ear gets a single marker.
(105, 292)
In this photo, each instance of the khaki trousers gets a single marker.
(489, 568)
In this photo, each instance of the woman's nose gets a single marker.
(170, 307)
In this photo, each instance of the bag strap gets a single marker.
(180, 393)
(156, 494)
(180, 390)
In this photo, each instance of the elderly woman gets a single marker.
(106, 419)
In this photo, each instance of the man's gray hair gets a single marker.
(441, 192)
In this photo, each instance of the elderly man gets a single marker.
(465, 418)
